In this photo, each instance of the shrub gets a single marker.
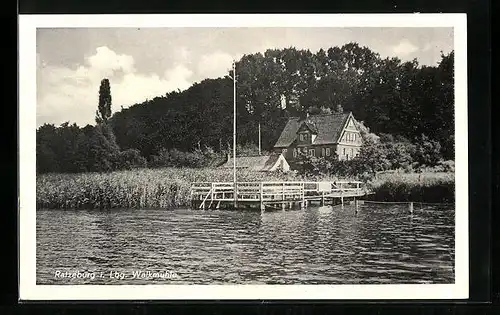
(177, 158)
(399, 154)
(427, 152)
(130, 159)
(448, 166)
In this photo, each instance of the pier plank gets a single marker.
(266, 193)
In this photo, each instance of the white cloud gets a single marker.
(404, 47)
(71, 94)
(182, 54)
(428, 47)
(107, 60)
(215, 65)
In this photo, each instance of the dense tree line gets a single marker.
(401, 99)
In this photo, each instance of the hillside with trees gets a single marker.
(409, 106)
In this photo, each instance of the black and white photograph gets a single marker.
(243, 156)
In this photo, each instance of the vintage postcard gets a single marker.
(263, 156)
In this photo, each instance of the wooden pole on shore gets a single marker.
(259, 140)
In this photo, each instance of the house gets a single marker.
(321, 136)
(263, 163)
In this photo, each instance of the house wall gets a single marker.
(347, 148)
(281, 163)
(350, 142)
(344, 151)
(318, 150)
(347, 151)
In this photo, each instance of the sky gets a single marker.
(142, 63)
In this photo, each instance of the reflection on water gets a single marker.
(325, 245)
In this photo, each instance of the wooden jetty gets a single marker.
(273, 195)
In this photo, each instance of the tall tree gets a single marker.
(103, 112)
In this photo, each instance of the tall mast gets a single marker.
(234, 134)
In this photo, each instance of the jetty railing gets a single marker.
(272, 192)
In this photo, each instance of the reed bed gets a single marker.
(419, 187)
(143, 188)
(168, 188)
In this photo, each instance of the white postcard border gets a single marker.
(28, 290)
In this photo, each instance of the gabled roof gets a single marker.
(310, 125)
(329, 128)
(255, 162)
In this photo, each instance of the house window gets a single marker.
(327, 151)
(344, 151)
(283, 151)
(301, 137)
(312, 152)
(322, 151)
(294, 153)
(354, 137)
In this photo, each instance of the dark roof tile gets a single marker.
(328, 129)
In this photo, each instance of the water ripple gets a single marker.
(325, 245)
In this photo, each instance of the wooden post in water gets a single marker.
(411, 207)
(212, 193)
(261, 197)
(341, 197)
(302, 203)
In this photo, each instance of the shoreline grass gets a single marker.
(438, 187)
(163, 188)
(169, 188)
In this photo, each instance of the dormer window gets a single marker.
(303, 136)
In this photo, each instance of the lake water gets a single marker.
(319, 245)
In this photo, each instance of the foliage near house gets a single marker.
(379, 154)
